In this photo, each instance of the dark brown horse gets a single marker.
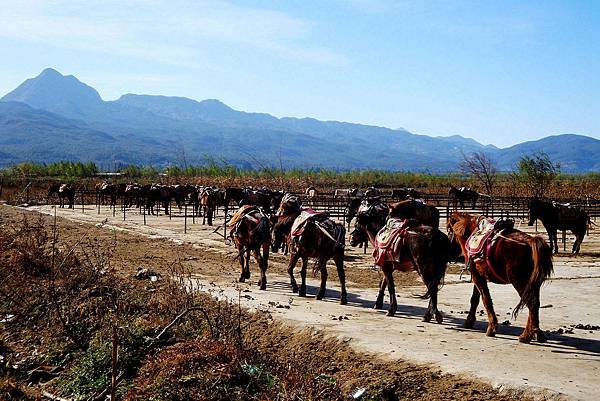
(321, 238)
(424, 249)
(415, 209)
(559, 217)
(463, 194)
(515, 258)
(251, 233)
(64, 191)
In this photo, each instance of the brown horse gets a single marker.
(251, 233)
(423, 249)
(555, 217)
(63, 191)
(208, 199)
(321, 238)
(514, 257)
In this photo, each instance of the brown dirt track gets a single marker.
(212, 262)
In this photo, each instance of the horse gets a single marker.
(347, 193)
(207, 198)
(311, 235)
(160, 194)
(250, 231)
(415, 209)
(133, 195)
(513, 257)
(559, 217)
(106, 190)
(463, 194)
(63, 191)
(423, 249)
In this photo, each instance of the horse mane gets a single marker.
(461, 224)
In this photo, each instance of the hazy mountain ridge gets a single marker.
(70, 120)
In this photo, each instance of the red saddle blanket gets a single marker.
(389, 240)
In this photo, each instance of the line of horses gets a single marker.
(509, 257)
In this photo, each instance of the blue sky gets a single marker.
(500, 72)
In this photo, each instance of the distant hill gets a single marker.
(55, 117)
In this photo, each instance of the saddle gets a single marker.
(389, 241)
(243, 212)
(481, 242)
(302, 219)
(330, 228)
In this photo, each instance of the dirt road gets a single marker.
(568, 365)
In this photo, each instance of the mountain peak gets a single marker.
(50, 72)
(57, 93)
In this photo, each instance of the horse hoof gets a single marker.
(378, 305)
(343, 301)
(439, 317)
(491, 332)
(319, 297)
(525, 338)
(541, 337)
(427, 318)
(390, 313)
(242, 279)
(469, 323)
(302, 294)
(263, 287)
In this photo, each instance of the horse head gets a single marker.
(535, 205)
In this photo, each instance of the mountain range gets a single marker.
(54, 117)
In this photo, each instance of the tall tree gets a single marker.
(537, 172)
(481, 167)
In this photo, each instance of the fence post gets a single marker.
(144, 214)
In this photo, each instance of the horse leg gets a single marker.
(293, 260)
(578, 241)
(470, 322)
(203, 215)
(382, 287)
(210, 216)
(242, 264)
(323, 287)
(482, 286)
(553, 237)
(262, 282)
(388, 270)
(247, 270)
(263, 267)
(302, 292)
(339, 264)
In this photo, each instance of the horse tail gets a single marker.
(262, 232)
(440, 247)
(542, 269)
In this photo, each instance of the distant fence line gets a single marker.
(498, 207)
